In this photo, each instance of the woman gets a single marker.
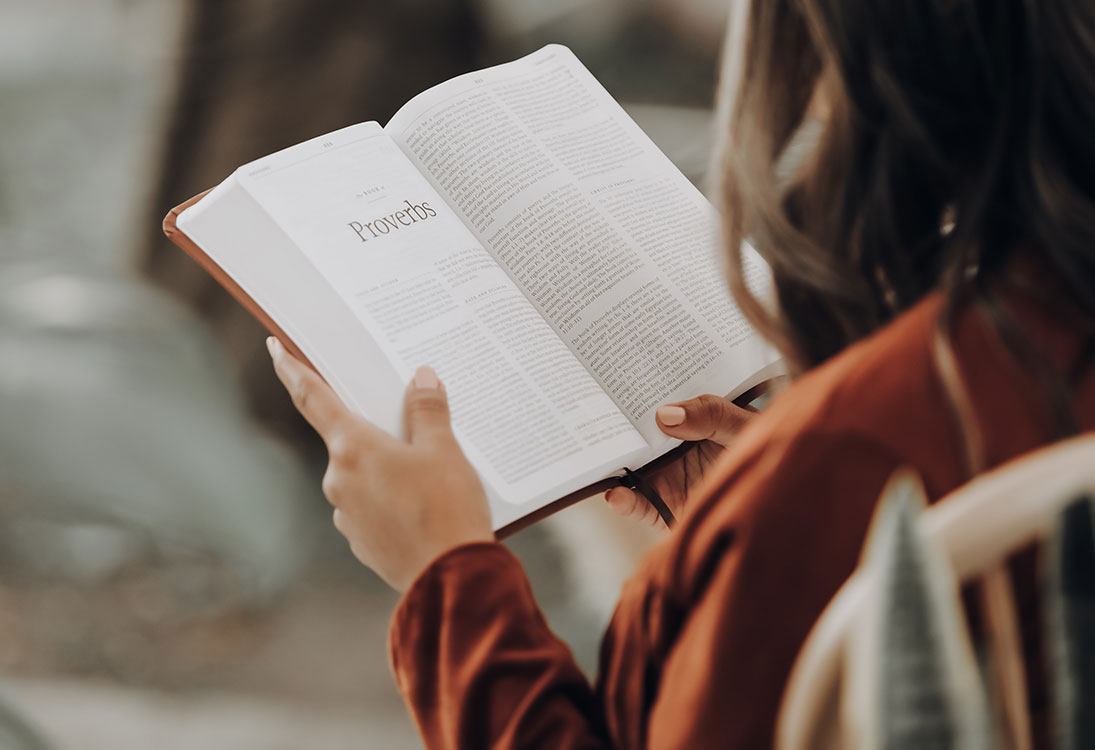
(948, 195)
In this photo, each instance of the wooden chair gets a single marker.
(976, 528)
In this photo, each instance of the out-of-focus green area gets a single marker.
(168, 573)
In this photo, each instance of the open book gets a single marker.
(517, 231)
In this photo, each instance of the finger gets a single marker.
(339, 520)
(426, 408)
(312, 397)
(342, 523)
(622, 500)
(706, 417)
(630, 504)
(330, 484)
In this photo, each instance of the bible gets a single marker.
(517, 231)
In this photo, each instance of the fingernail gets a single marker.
(671, 416)
(608, 495)
(273, 346)
(426, 377)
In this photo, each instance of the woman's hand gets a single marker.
(399, 503)
(708, 423)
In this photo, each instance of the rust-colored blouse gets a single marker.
(706, 631)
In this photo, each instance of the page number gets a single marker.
(327, 144)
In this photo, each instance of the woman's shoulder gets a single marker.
(881, 394)
(815, 461)
(878, 388)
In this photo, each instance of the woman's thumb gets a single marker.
(705, 417)
(426, 408)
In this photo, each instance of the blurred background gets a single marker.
(168, 573)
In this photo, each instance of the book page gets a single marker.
(529, 416)
(613, 245)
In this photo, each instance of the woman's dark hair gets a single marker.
(958, 133)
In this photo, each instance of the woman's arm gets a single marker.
(478, 666)
(472, 654)
(399, 503)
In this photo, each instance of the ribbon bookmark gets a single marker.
(633, 481)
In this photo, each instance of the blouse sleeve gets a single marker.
(753, 569)
(477, 664)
